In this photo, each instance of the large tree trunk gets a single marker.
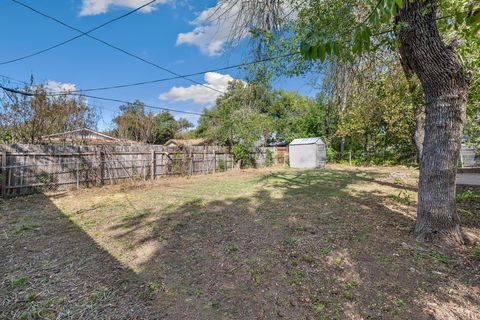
(419, 135)
(445, 89)
(418, 105)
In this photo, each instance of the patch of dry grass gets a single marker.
(254, 244)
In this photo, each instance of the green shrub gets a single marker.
(331, 154)
(467, 195)
(269, 158)
(243, 154)
(221, 165)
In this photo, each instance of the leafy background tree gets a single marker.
(26, 118)
(134, 123)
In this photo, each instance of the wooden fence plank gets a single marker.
(4, 175)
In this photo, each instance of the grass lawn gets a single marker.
(257, 244)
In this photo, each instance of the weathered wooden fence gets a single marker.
(469, 157)
(32, 168)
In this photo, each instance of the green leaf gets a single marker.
(335, 48)
(314, 52)
(322, 53)
(399, 3)
(328, 48)
(305, 50)
(473, 19)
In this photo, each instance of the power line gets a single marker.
(76, 37)
(186, 75)
(31, 94)
(82, 33)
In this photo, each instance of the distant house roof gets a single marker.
(81, 135)
(278, 144)
(185, 142)
(301, 141)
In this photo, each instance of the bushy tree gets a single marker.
(26, 118)
(134, 123)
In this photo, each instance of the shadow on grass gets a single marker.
(52, 269)
(307, 244)
(303, 246)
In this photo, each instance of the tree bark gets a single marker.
(419, 135)
(418, 106)
(445, 88)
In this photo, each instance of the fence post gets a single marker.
(350, 156)
(101, 165)
(4, 175)
(204, 160)
(78, 174)
(192, 171)
(214, 161)
(154, 165)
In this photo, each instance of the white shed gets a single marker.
(307, 153)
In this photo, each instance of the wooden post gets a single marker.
(214, 161)
(350, 157)
(153, 165)
(101, 166)
(78, 174)
(204, 159)
(4, 175)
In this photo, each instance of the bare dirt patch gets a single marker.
(255, 244)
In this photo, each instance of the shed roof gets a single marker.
(301, 141)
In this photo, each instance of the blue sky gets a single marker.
(172, 33)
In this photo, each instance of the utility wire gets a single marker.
(185, 75)
(82, 33)
(74, 38)
(30, 94)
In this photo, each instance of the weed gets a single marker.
(476, 253)
(232, 247)
(297, 277)
(467, 195)
(397, 181)
(338, 261)
(100, 293)
(258, 271)
(25, 225)
(318, 307)
(215, 304)
(399, 303)
(349, 285)
(403, 197)
(32, 297)
(439, 257)
(154, 286)
(291, 241)
(325, 251)
(308, 258)
(19, 281)
(221, 165)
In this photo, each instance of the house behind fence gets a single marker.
(32, 168)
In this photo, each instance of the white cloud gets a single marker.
(211, 31)
(198, 93)
(95, 7)
(55, 86)
(213, 27)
